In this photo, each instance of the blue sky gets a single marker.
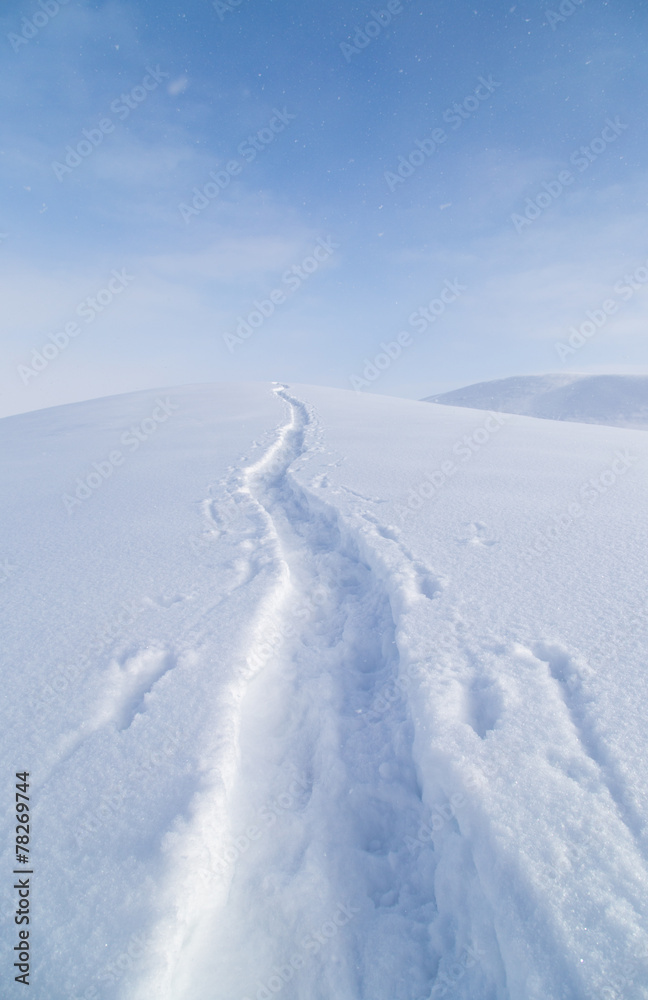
(166, 227)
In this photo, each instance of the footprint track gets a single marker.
(129, 683)
(570, 675)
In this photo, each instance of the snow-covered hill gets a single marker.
(617, 400)
(325, 695)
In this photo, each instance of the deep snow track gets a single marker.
(339, 897)
(303, 870)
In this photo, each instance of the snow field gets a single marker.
(330, 748)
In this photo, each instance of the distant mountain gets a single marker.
(617, 400)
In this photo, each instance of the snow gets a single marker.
(326, 695)
(618, 400)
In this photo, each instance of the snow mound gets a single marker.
(616, 400)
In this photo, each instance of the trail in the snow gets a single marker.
(324, 887)
(570, 676)
(307, 866)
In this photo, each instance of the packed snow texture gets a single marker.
(618, 400)
(323, 696)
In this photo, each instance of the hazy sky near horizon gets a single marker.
(272, 189)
